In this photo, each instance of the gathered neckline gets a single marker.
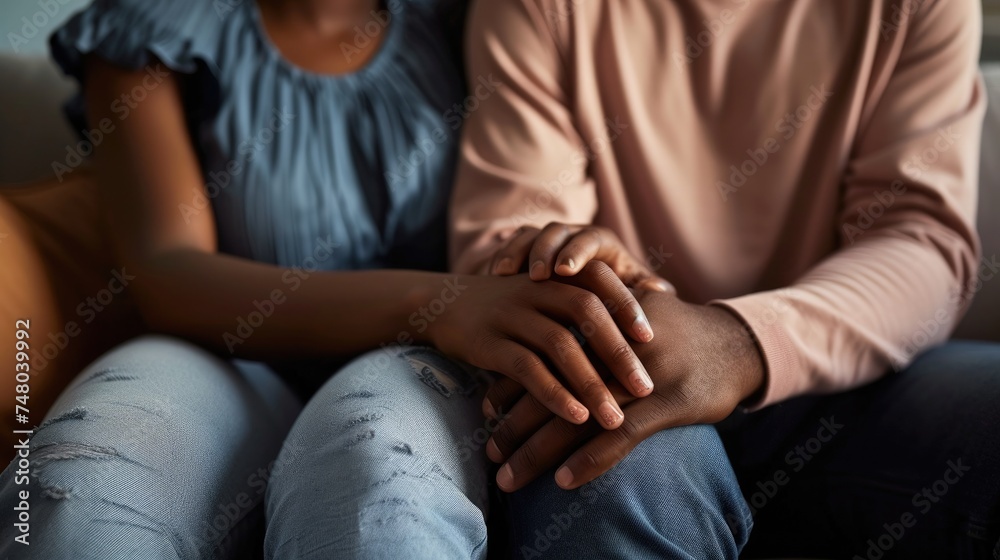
(386, 48)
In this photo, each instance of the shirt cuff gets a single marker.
(785, 375)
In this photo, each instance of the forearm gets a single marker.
(260, 311)
(861, 312)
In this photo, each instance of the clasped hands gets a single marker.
(696, 363)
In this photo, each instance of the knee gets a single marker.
(136, 419)
(684, 465)
(676, 495)
(383, 464)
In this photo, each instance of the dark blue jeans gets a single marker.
(907, 467)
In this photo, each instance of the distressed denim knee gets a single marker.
(393, 470)
(675, 496)
(142, 454)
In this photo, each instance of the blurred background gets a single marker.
(12, 12)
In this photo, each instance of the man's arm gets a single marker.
(909, 252)
(898, 283)
(522, 158)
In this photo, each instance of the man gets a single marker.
(804, 174)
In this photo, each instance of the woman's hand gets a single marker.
(702, 372)
(518, 328)
(566, 249)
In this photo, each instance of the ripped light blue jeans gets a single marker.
(161, 450)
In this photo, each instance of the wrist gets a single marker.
(432, 305)
(748, 356)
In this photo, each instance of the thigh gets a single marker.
(59, 274)
(674, 496)
(903, 468)
(157, 450)
(385, 461)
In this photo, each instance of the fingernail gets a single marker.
(610, 413)
(504, 266)
(489, 410)
(537, 270)
(640, 380)
(505, 478)
(493, 452)
(642, 328)
(578, 412)
(564, 477)
(571, 264)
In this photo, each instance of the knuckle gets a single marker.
(587, 304)
(503, 437)
(524, 364)
(527, 459)
(593, 387)
(551, 391)
(537, 407)
(589, 459)
(625, 433)
(599, 269)
(559, 340)
(621, 353)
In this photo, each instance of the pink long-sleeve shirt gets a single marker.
(809, 165)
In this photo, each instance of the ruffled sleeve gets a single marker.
(182, 35)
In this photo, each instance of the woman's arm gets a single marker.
(148, 170)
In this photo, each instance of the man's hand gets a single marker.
(703, 364)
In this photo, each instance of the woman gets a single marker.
(262, 167)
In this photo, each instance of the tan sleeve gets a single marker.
(521, 159)
(909, 257)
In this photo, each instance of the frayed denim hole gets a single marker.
(439, 373)
(48, 453)
(77, 413)
(110, 374)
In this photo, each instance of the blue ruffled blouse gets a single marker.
(293, 161)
